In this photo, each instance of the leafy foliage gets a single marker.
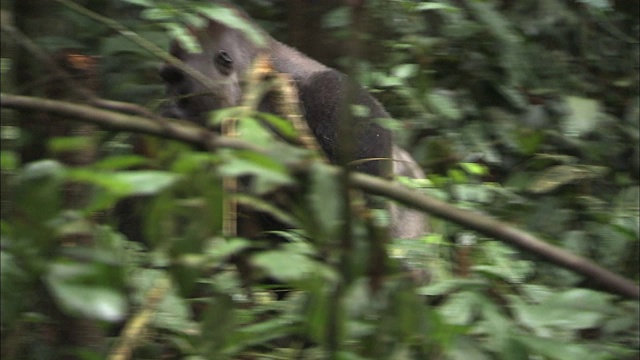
(525, 110)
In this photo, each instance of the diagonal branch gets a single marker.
(197, 135)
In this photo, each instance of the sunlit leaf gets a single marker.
(559, 175)
(284, 265)
(84, 290)
(585, 115)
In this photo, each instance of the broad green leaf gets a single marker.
(460, 308)
(123, 183)
(259, 333)
(282, 126)
(267, 173)
(573, 309)
(284, 265)
(147, 182)
(84, 290)
(37, 192)
(222, 248)
(559, 175)
(255, 133)
(585, 115)
(475, 169)
(405, 71)
(556, 350)
(442, 104)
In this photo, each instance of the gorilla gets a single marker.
(227, 55)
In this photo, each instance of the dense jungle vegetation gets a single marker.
(526, 112)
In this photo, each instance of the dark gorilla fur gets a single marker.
(227, 55)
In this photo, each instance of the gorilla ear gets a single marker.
(223, 62)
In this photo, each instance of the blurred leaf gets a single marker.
(405, 71)
(555, 349)
(259, 333)
(184, 37)
(85, 290)
(282, 126)
(173, 312)
(222, 248)
(598, 4)
(37, 190)
(267, 173)
(325, 200)
(251, 130)
(441, 103)
(8, 160)
(337, 18)
(572, 309)
(120, 162)
(70, 143)
(218, 325)
(284, 265)
(559, 175)
(234, 20)
(474, 169)
(426, 6)
(461, 308)
(584, 116)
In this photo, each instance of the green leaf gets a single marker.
(173, 312)
(259, 333)
(426, 6)
(559, 175)
(460, 308)
(325, 200)
(83, 290)
(474, 169)
(585, 116)
(222, 248)
(231, 18)
(281, 126)
(284, 265)
(442, 104)
(147, 182)
(254, 132)
(405, 71)
(598, 4)
(337, 18)
(8, 160)
(184, 37)
(267, 173)
(218, 325)
(120, 162)
(573, 309)
(124, 183)
(37, 191)
(555, 349)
